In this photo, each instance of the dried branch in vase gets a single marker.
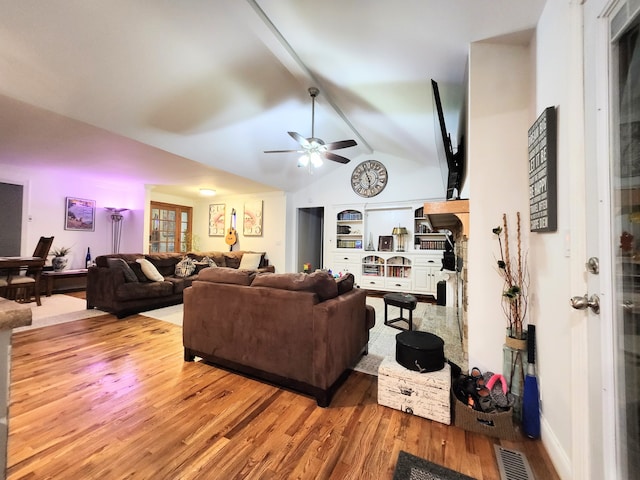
(516, 278)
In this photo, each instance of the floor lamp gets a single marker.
(116, 227)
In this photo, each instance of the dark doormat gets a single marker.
(410, 467)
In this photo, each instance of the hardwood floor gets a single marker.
(113, 399)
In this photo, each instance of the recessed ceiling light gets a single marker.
(207, 192)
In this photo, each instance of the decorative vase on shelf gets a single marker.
(59, 263)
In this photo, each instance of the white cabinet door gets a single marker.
(425, 274)
(347, 263)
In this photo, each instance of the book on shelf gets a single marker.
(432, 244)
(350, 215)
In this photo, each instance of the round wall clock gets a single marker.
(369, 178)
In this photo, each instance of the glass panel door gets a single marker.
(626, 216)
(170, 229)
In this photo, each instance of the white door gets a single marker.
(612, 182)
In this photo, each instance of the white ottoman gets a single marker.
(424, 394)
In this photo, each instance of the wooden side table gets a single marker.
(51, 276)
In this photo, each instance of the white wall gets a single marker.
(499, 117)
(551, 282)
(274, 216)
(408, 180)
(509, 87)
(45, 191)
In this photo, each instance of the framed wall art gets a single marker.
(80, 214)
(252, 221)
(542, 172)
(216, 219)
(385, 243)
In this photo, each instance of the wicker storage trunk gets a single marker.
(424, 394)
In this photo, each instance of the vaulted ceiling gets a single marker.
(187, 94)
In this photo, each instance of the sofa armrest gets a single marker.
(371, 317)
(102, 283)
(341, 333)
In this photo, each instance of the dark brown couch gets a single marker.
(304, 332)
(109, 289)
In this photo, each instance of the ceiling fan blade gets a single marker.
(341, 144)
(299, 138)
(283, 151)
(336, 158)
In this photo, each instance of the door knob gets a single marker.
(593, 265)
(581, 303)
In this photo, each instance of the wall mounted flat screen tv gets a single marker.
(452, 163)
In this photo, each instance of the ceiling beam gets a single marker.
(262, 25)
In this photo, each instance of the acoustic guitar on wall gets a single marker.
(231, 238)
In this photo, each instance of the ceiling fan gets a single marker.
(314, 149)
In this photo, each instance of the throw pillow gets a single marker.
(120, 264)
(250, 261)
(149, 270)
(137, 269)
(185, 267)
(345, 283)
(209, 261)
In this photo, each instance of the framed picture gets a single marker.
(216, 219)
(252, 222)
(385, 243)
(80, 214)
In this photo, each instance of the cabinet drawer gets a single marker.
(371, 282)
(402, 283)
(346, 258)
(420, 261)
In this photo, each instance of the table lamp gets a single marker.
(400, 233)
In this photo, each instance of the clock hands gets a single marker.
(369, 178)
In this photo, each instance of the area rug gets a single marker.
(410, 467)
(427, 317)
(58, 309)
(171, 314)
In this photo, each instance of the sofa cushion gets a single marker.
(320, 283)
(149, 270)
(185, 267)
(250, 261)
(232, 259)
(345, 283)
(227, 275)
(137, 269)
(217, 257)
(102, 260)
(165, 263)
(137, 291)
(179, 283)
(120, 264)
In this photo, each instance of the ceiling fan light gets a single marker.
(316, 159)
(303, 161)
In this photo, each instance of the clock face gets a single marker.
(369, 178)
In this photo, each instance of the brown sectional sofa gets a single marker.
(118, 291)
(304, 332)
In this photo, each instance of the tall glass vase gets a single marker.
(514, 368)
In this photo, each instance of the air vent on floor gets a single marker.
(513, 465)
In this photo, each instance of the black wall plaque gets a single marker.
(542, 172)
